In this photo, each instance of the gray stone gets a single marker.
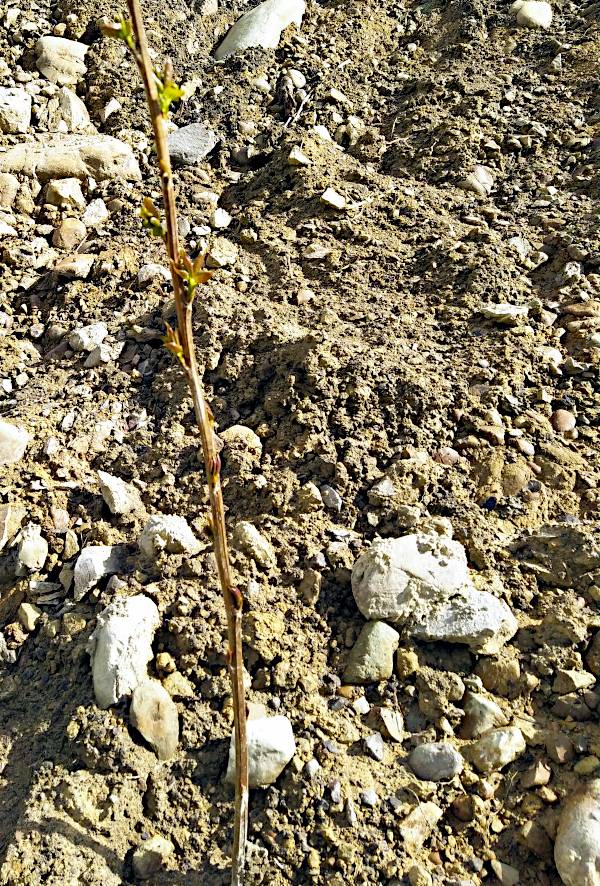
(436, 761)
(15, 110)
(13, 443)
(496, 749)
(154, 714)
(120, 497)
(331, 498)
(95, 562)
(11, 517)
(372, 656)
(261, 26)
(375, 746)
(150, 272)
(61, 61)
(191, 144)
(86, 338)
(72, 156)
(169, 533)
(271, 746)
(577, 845)
(422, 581)
(369, 798)
(121, 647)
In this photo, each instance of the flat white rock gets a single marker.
(93, 563)
(261, 26)
(170, 533)
(577, 845)
(532, 13)
(86, 338)
(480, 181)
(13, 442)
(496, 749)
(120, 497)
(271, 746)
(72, 156)
(121, 647)
(33, 547)
(61, 61)
(247, 538)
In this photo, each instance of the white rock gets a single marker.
(297, 78)
(271, 746)
(94, 563)
(7, 230)
(262, 26)
(297, 157)
(33, 547)
(72, 156)
(72, 111)
(120, 497)
(422, 582)
(532, 13)
(121, 647)
(476, 618)
(9, 188)
(15, 110)
(170, 533)
(418, 825)
(331, 198)
(96, 214)
(504, 312)
(496, 749)
(480, 181)
(65, 192)
(577, 845)
(247, 538)
(112, 106)
(219, 218)
(86, 338)
(61, 61)
(13, 442)
(148, 273)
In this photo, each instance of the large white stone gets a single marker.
(262, 26)
(86, 338)
(170, 533)
(246, 537)
(120, 497)
(496, 749)
(532, 13)
(33, 547)
(422, 582)
(65, 192)
(577, 846)
(15, 110)
(13, 443)
(121, 647)
(72, 111)
(393, 572)
(271, 746)
(93, 563)
(72, 156)
(61, 61)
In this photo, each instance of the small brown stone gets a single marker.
(69, 234)
(154, 715)
(536, 775)
(563, 421)
(560, 748)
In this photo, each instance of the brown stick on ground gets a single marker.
(232, 596)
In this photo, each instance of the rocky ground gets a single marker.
(401, 346)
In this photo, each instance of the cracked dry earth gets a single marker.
(421, 357)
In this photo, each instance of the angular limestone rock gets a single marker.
(94, 563)
(532, 13)
(121, 647)
(247, 538)
(271, 746)
(170, 533)
(261, 26)
(121, 497)
(496, 749)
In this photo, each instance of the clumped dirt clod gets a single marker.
(385, 384)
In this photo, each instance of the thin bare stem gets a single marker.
(184, 347)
